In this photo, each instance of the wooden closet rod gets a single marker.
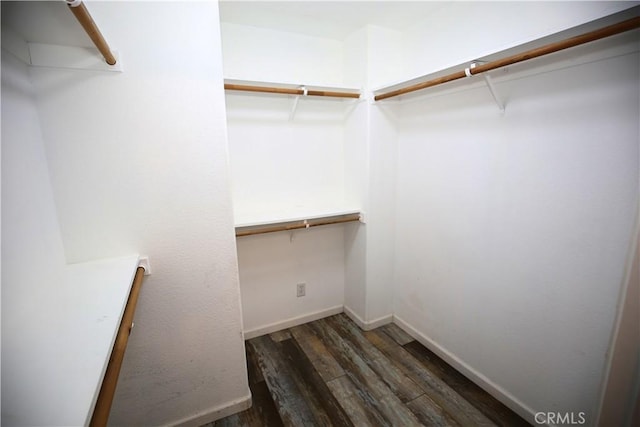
(83, 16)
(601, 33)
(105, 397)
(290, 91)
(295, 225)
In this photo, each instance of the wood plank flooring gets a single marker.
(330, 372)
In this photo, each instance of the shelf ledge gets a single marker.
(272, 227)
(62, 348)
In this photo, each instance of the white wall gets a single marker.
(261, 54)
(380, 214)
(138, 163)
(283, 164)
(385, 61)
(356, 187)
(512, 230)
(459, 32)
(282, 167)
(371, 56)
(272, 264)
(32, 251)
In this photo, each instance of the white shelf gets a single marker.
(291, 223)
(276, 218)
(67, 349)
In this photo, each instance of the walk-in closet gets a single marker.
(443, 185)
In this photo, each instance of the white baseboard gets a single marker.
(368, 325)
(486, 384)
(215, 413)
(294, 321)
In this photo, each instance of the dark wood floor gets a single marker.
(330, 372)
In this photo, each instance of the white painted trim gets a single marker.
(368, 325)
(485, 383)
(215, 413)
(353, 316)
(380, 321)
(294, 321)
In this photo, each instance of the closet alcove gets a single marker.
(463, 188)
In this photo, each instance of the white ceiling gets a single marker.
(328, 19)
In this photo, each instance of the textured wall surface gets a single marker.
(263, 54)
(513, 229)
(32, 251)
(138, 163)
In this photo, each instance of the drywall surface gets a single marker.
(459, 32)
(385, 61)
(513, 229)
(253, 53)
(271, 265)
(380, 214)
(32, 250)
(355, 56)
(356, 161)
(284, 166)
(286, 154)
(370, 152)
(138, 163)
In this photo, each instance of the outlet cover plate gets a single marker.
(301, 289)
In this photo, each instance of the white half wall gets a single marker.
(139, 164)
(513, 230)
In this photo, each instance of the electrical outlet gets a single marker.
(301, 289)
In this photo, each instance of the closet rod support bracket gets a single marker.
(494, 92)
(363, 218)
(487, 79)
(295, 102)
(144, 263)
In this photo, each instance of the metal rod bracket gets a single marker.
(487, 79)
(494, 92)
(295, 102)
